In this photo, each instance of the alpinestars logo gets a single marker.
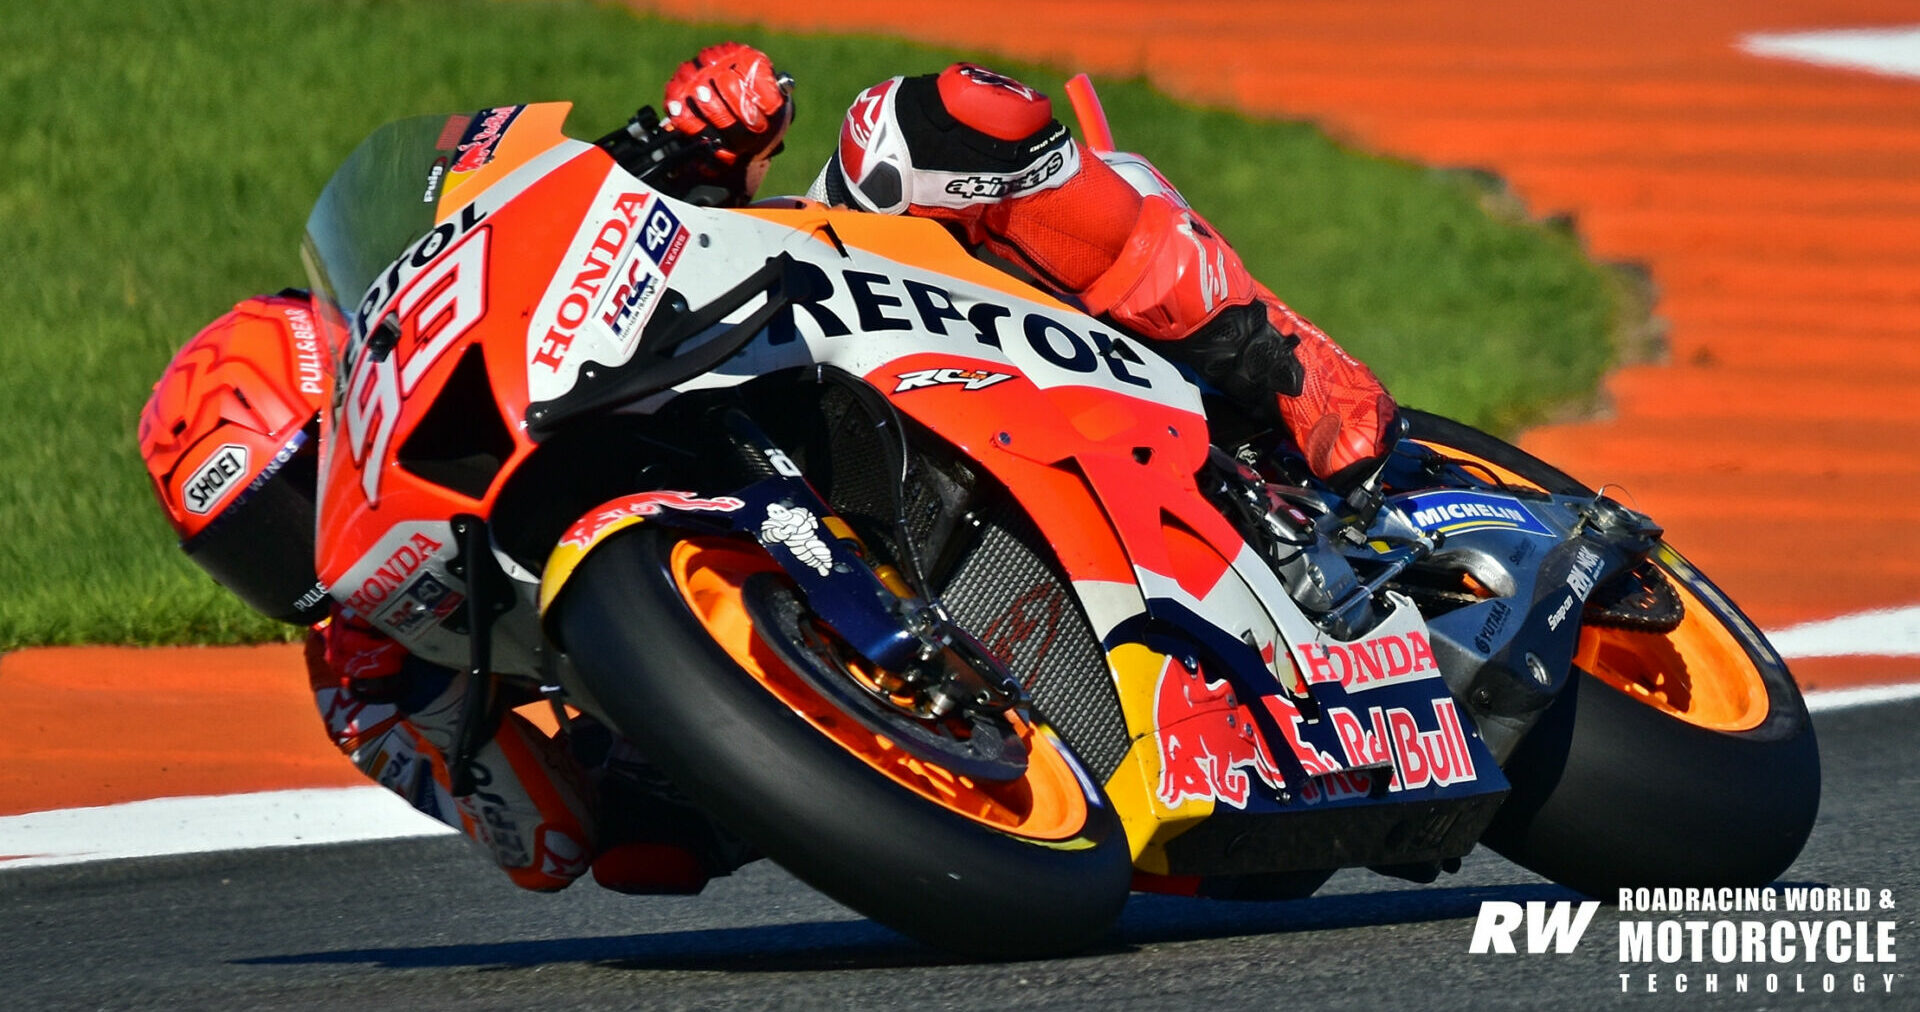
(856, 134)
(994, 187)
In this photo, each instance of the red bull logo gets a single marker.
(477, 147)
(1420, 758)
(1208, 741)
(645, 504)
(1314, 761)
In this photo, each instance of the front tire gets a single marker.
(657, 629)
(1683, 758)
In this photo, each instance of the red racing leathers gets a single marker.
(545, 809)
(983, 154)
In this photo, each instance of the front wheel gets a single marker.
(1676, 758)
(662, 630)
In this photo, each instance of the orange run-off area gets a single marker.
(1776, 206)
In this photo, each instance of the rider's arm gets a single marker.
(983, 154)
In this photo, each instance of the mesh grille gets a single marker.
(1004, 592)
(855, 481)
(1000, 586)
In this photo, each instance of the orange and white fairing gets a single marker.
(545, 260)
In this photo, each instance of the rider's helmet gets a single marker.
(231, 441)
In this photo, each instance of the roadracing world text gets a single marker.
(1777, 940)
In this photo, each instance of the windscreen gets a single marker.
(380, 200)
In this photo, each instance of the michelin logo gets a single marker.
(1456, 512)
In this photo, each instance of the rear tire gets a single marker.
(1611, 791)
(816, 808)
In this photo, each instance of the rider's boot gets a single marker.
(1341, 416)
(395, 717)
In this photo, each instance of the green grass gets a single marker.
(158, 159)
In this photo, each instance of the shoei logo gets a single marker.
(216, 479)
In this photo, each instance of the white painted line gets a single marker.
(1872, 695)
(202, 824)
(1893, 632)
(354, 814)
(1892, 51)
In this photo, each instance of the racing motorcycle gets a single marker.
(946, 597)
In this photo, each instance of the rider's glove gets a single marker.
(356, 657)
(731, 96)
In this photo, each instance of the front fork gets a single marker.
(895, 626)
(488, 594)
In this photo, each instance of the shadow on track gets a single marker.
(864, 945)
(1153, 919)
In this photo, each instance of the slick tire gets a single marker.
(1610, 791)
(648, 661)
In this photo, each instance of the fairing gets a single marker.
(547, 261)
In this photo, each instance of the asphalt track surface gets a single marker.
(427, 924)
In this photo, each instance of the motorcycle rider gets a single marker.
(982, 154)
(230, 434)
(230, 438)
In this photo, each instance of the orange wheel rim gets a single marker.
(1700, 672)
(1505, 475)
(1048, 803)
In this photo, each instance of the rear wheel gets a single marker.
(1676, 757)
(981, 836)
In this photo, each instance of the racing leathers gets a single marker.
(544, 808)
(983, 154)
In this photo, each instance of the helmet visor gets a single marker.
(261, 546)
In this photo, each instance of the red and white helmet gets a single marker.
(231, 441)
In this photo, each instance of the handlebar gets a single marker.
(647, 149)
